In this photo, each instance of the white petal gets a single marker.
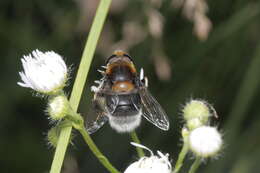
(142, 146)
(23, 84)
(152, 164)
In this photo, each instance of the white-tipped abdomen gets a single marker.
(123, 124)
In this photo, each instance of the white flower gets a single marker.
(45, 72)
(205, 141)
(152, 164)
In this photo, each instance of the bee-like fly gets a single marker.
(122, 97)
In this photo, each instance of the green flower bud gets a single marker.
(196, 109)
(54, 133)
(185, 133)
(53, 136)
(194, 123)
(58, 107)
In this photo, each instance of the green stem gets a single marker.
(80, 81)
(60, 149)
(181, 157)
(135, 138)
(78, 123)
(89, 52)
(195, 165)
(96, 151)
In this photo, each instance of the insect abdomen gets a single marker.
(127, 113)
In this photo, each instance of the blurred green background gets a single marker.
(186, 53)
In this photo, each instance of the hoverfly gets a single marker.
(122, 97)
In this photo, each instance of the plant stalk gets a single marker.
(181, 157)
(135, 138)
(96, 151)
(79, 83)
(195, 165)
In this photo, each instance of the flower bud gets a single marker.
(194, 123)
(205, 141)
(44, 72)
(53, 136)
(58, 107)
(184, 132)
(196, 109)
(54, 133)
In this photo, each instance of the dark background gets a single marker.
(224, 70)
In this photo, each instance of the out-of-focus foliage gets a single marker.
(220, 63)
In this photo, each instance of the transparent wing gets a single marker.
(97, 115)
(152, 110)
